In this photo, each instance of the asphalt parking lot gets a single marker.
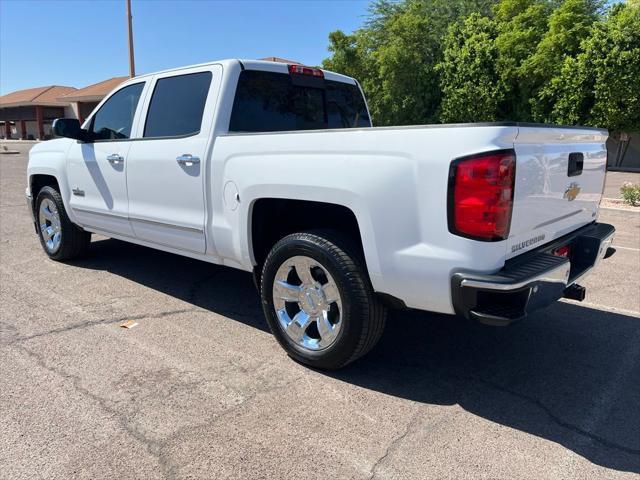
(200, 389)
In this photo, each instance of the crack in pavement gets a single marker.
(156, 448)
(172, 472)
(537, 403)
(556, 419)
(151, 445)
(15, 205)
(103, 321)
(393, 446)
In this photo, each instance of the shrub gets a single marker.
(631, 193)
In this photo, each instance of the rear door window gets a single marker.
(270, 102)
(177, 105)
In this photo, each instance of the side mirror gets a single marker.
(68, 127)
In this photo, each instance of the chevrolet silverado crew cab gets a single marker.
(276, 169)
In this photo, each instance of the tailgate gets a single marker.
(559, 182)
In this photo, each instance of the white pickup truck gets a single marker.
(276, 169)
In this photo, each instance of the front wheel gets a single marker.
(59, 237)
(318, 299)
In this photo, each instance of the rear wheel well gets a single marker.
(275, 218)
(37, 182)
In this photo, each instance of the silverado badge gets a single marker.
(572, 191)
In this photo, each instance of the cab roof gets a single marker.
(248, 64)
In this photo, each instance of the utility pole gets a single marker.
(132, 62)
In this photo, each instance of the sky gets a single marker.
(80, 42)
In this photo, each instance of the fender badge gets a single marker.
(572, 191)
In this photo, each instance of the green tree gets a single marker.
(521, 25)
(471, 85)
(569, 24)
(483, 60)
(395, 55)
(561, 61)
(601, 85)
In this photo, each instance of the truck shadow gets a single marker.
(568, 374)
(222, 290)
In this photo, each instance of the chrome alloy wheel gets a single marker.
(307, 303)
(49, 221)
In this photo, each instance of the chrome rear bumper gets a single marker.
(530, 281)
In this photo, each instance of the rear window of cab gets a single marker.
(272, 102)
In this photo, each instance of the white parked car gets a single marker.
(276, 169)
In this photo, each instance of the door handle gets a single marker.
(187, 159)
(115, 158)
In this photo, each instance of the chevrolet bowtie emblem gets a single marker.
(572, 191)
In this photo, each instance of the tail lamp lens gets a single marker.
(481, 195)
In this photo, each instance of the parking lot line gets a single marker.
(619, 210)
(606, 308)
(627, 248)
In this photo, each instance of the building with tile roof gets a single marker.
(280, 60)
(29, 113)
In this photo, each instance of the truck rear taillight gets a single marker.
(302, 70)
(481, 195)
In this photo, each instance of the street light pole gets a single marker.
(132, 63)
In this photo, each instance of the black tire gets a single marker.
(363, 316)
(74, 241)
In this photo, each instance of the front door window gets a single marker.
(115, 118)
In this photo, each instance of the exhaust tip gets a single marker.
(575, 292)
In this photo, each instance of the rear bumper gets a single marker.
(532, 280)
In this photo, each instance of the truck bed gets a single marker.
(395, 180)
